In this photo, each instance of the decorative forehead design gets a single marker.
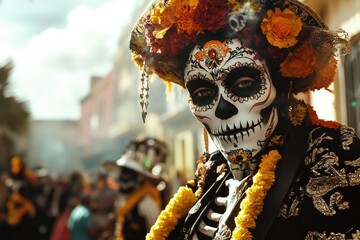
(213, 53)
(217, 57)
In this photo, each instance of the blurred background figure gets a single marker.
(67, 198)
(102, 200)
(139, 174)
(44, 190)
(3, 196)
(80, 221)
(20, 209)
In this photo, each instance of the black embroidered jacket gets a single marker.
(322, 201)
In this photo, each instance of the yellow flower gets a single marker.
(178, 13)
(240, 156)
(177, 207)
(252, 205)
(277, 140)
(281, 27)
(299, 64)
(297, 115)
(137, 59)
(235, 5)
(162, 18)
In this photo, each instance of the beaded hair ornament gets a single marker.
(287, 33)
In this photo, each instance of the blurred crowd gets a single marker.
(35, 205)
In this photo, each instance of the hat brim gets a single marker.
(113, 166)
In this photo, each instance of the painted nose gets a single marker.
(225, 109)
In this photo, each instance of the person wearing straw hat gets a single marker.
(140, 179)
(279, 171)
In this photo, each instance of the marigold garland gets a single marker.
(252, 205)
(177, 207)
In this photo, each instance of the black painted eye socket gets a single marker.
(202, 92)
(244, 81)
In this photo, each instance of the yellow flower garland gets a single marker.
(251, 206)
(177, 207)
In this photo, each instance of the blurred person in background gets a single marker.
(140, 201)
(20, 208)
(80, 221)
(3, 196)
(102, 200)
(44, 190)
(67, 197)
(277, 170)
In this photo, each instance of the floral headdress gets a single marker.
(297, 45)
(288, 33)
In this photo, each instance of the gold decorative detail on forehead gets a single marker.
(213, 53)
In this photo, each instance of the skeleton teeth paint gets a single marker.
(229, 87)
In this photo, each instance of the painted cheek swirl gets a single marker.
(201, 117)
(262, 102)
(269, 130)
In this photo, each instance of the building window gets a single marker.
(352, 76)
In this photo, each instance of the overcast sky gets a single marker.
(56, 46)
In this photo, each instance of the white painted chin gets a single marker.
(250, 139)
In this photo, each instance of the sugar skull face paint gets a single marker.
(231, 94)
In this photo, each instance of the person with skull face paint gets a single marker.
(140, 201)
(20, 209)
(280, 172)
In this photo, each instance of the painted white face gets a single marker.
(231, 94)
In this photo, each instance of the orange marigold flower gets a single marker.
(325, 76)
(184, 13)
(300, 63)
(179, 13)
(281, 27)
(162, 18)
